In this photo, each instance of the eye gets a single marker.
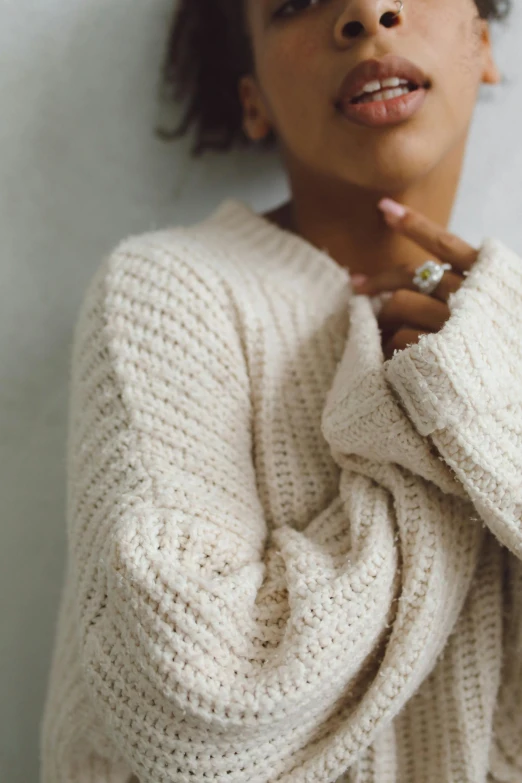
(299, 4)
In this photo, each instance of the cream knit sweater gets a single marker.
(288, 559)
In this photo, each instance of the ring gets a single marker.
(428, 276)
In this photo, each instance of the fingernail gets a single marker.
(392, 209)
(359, 279)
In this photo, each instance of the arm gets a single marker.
(462, 387)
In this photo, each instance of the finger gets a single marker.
(402, 278)
(416, 310)
(402, 339)
(436, 240)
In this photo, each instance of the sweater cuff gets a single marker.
(474, 363)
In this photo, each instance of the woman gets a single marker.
(295, 505)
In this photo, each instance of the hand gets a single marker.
(408, 313)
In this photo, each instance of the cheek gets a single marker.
(450, 51)
(459, 55)
(452, 59)
(297, 51)
(297, 84)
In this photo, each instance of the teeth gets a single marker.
(385, 95)
(392, 81)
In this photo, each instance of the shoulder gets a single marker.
(168, 270)
(160, 289)
(215, 248)
(171, 260)
(158, 324)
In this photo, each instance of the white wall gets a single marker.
(79, 170)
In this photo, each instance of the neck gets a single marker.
(345, 221)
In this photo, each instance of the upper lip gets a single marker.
(369, 70)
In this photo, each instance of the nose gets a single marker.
(361, 17)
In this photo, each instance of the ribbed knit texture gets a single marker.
(289, 560)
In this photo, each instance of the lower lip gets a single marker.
(378, 113)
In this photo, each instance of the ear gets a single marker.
(490, 72)
(255, 123)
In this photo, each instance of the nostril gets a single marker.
(391, 19)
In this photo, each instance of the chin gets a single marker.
(388, 169)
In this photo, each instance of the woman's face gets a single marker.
(303, 55)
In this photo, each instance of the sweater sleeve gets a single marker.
(204, 642)
(462, 388)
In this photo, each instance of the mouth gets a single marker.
(386, 107)
(377, 96)
(374, 80)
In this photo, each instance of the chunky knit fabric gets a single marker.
(288, 560)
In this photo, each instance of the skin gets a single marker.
(339, 171)
(408, 313)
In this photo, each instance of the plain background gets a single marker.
(80, 169)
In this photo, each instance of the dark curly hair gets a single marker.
(208, 50)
